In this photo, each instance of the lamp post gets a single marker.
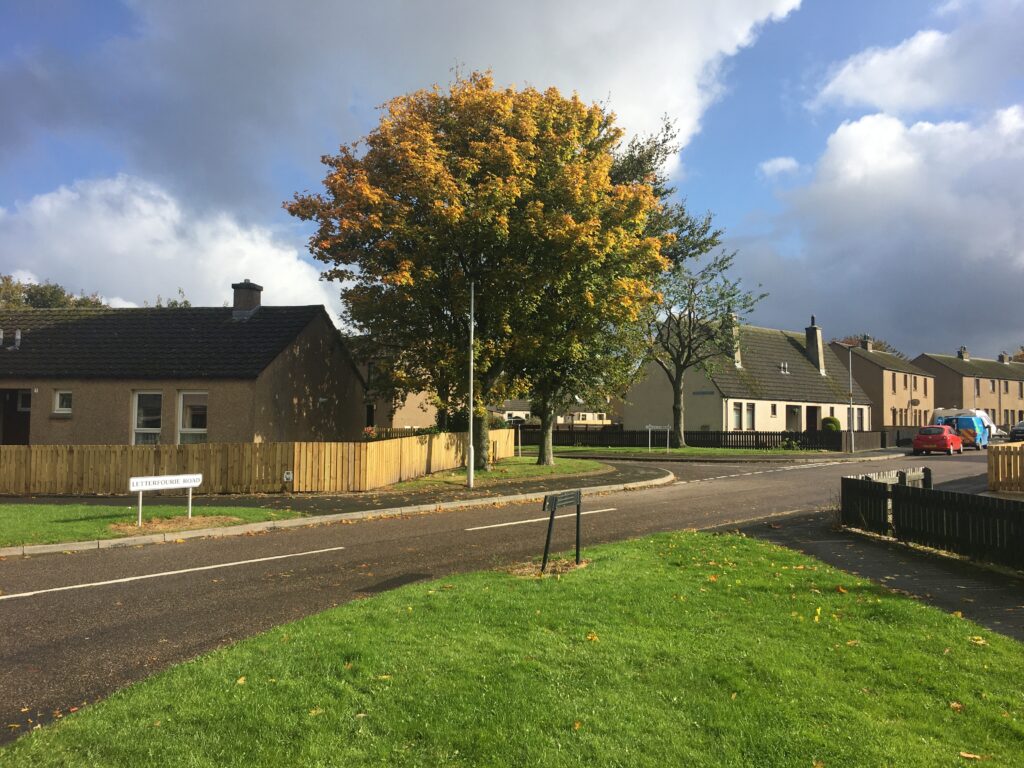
(469, 448)
(852, 447)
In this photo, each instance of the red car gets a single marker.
(937, 438)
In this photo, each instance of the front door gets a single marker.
(813, 418)
(794, 418)
(14, 411)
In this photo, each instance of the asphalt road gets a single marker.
(67, 640)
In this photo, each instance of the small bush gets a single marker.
(830, 424)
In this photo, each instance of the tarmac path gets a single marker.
(76, 627)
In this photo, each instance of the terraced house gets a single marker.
(778, 381)
(961, 381)
(902, 394)
(245, 373)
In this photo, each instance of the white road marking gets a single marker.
(538, 519)
(169, 573)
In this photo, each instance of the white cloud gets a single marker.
(911, 231)
(210, 100)
(933, 69)
(130, 240)
(778, 166)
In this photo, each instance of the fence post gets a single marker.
(927, 481)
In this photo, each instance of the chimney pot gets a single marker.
(246, 298)
(866, 343)
(963, 354)
(1004, 357)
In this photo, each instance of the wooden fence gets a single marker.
(73, 470)
(980, 527)
(1006, 467)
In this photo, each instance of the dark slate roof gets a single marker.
(979, 367)
(888, 361)
(196, 342)
(761, 351)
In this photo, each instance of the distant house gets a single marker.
(961, 381)
(519, 411)
(777, 381)
(902, 394)
(245, 373)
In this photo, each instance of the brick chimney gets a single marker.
(963, 354)
(815, 347)
(866, 343)
(247, 298)
(1004, 358)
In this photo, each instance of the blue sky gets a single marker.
(859, 154)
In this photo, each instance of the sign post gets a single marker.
(551, 503)
(163, 483)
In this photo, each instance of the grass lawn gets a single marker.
(514, 468)
(686, 451)
(53, 523)
(681, 649)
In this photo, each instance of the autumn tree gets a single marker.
(880, 345)
(1018, 356)
(509, 189)
(21, 294)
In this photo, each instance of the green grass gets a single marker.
(514, 468)
(681, 649)
(54, 523)
(685, 451)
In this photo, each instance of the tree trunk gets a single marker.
(545, 449)
(678, 436)
(481, 442)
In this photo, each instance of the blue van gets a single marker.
(972, 430)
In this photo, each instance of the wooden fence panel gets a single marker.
(865, 505)
(1006, 467)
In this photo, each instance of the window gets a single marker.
(832, 410)
(977, 386)
(24, 400)
(583, 417)
(915, 383)
(905, 377)
(600, 417)
(860, 419)
(737, 415)
(926, 387)
(192, 415)
(894, 382)
(750, 415)
(991, 385)
(1006, 387)
(62, 401)
(894, 423)
(147, 419)
(1020, 389)
(775, 410)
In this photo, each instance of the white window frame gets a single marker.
(19, 406)
(178, 431)
(56, 400)
(135, 414)
(750, 415)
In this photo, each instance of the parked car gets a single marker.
(937, 437)
(971, 429)
(1016, 432)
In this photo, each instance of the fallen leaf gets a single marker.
(733, 697)
(24, 709)
(592, 637)
(315, 711)
(240, 681)
(360, 714)
(818, 764)
(970, 756)
(13, 726)
(852, 643)
(958, 614)
(978, 640)
(840, 589)
(712, 577)
(383, 677)
(956, 706)
(576, 725)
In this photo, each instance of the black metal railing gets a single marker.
(641, 438)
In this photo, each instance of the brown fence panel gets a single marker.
(865, 504)
(1006, 467)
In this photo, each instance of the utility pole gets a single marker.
(469, 448)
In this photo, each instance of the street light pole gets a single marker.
(852, 447)
(469, 448)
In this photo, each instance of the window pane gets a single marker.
(147, 410)
(64, 401)
(190, 438)
(147, 438)
(193, 410)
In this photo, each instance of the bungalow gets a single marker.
(777, 381)
(245, 373)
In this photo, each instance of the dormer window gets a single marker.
(783, 367)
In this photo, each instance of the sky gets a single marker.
(865, 157)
